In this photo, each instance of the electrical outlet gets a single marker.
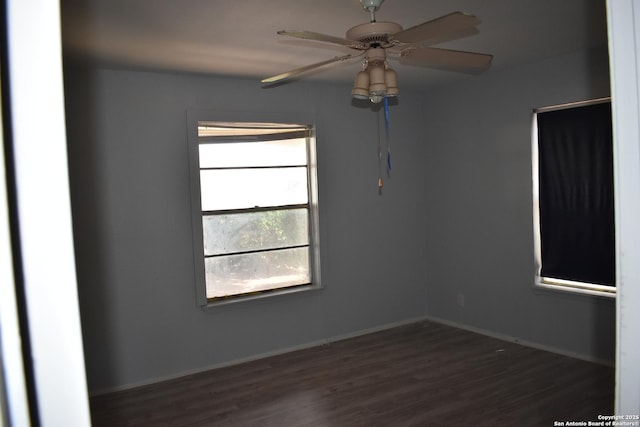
(460, 299)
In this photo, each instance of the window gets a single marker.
(573, 198)
(255, 227)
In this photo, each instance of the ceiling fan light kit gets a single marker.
(377, 80)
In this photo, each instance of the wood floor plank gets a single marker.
(423, 374)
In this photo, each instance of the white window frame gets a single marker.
(194, 118)
(549, 282)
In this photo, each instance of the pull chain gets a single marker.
(386, 122)
(380, 180)
(388, 145)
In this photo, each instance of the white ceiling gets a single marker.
(238, 37)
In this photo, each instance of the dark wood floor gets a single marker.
(424, 374)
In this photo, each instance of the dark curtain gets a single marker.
(576, 194)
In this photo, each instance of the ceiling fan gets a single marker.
(376, 41)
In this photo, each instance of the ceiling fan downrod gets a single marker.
(371, 6)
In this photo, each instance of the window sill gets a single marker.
(568, 286)
(219, 302)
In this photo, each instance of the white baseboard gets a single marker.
(516, 340)
(259, 356)
(341, 337)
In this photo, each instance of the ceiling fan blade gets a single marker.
(445, 59)
(442, 38)
(310, 35)
(438, 28)
(297, 71)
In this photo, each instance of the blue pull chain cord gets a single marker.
(380, 180)
(386, 121)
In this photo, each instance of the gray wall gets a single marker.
(130, 190)
(479, 228)
(455, 218)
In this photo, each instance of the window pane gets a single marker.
(240, 232)
(255, 207)
(249, 188)
(290, 152)
(239, 274)
(576, 194)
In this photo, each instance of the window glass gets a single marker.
(255, 232)
(244, 232)
(250, 188)
(290, 152)
(573, 197)
(254, 272)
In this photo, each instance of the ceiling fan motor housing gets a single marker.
(374, 32)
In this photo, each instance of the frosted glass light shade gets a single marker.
(377, 85)
(391, 81)
(361, 86)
